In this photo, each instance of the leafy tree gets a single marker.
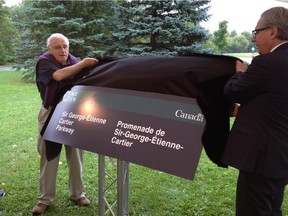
(209, 45)
(85, 23)
(8, 34)
(248, 36)
(3, 54)
(233, 33)
(152, 27)
(219, 37)
(237, 44)
(223, 41)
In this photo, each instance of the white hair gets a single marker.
(56, 35)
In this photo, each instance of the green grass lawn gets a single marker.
(152, 193)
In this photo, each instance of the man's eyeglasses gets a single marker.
(57, 48)
(254, 32)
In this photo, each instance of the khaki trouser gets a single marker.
(48, 169)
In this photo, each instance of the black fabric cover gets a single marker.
(197, 76)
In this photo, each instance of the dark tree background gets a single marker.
(8, 34)
(167, 27)
(85, 23)
(113, 27)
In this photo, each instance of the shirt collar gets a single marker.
(278, 46)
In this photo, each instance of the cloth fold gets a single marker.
(197, 76)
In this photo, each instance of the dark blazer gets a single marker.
(258, 141)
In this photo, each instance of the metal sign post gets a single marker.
(122, 188)
(122, 180)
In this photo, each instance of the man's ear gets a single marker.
(274, 32)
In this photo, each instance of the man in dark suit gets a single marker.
(258, 142)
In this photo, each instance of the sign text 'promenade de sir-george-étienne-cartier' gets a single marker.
(155, 130)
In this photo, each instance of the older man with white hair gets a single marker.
(54, 72)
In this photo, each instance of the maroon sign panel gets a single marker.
(158, 131)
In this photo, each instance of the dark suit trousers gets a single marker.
(259, 196)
